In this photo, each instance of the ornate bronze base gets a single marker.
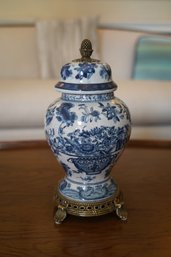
(89, 209)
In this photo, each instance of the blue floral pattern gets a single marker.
(49, 115)
(85, 70)
(89, 114)
(87, 139)
(64, 115)
(89, 192)
(101, 143)
(50, 135)
(95, 192)
(97, 141)
(66, 71)
(105, 72)
(88, 178)
(115, 112)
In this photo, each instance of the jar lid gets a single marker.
(86, 74)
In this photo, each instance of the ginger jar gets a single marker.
(87, 130)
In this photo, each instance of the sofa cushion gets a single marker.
(149, 101)
(153, 58)
(23, 105)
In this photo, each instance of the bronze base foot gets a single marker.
(66, 206)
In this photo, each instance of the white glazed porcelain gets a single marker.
(87, 130)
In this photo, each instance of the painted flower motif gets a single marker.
(88, 178)
(89, 114)
(105, 72)
(64, 115)
(95, 141)
(110, 112)
(121, 137)
(114, 113)
(100, 142)
(52, 140)
(66, 71)
(125, 111)
(96, 192)
(49, 115)
(85, 70)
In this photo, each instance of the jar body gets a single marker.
(87, 133)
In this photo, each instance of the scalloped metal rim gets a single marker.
(87, 208)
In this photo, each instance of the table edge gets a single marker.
(32, 144)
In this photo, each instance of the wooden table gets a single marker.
(28, 178)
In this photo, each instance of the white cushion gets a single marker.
(149, 101)
(23, 105)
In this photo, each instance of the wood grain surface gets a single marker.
(28, 179)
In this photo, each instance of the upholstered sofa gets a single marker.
(23, 103)
(24, 97)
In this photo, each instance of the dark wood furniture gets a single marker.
(28, 178)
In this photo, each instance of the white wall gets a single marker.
(117, 47)
(109, 10)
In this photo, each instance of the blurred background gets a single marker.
(38, 36)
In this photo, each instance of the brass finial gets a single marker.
(86, 49)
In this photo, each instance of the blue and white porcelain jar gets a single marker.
(87, 130)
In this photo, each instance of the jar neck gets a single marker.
(87, 97)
